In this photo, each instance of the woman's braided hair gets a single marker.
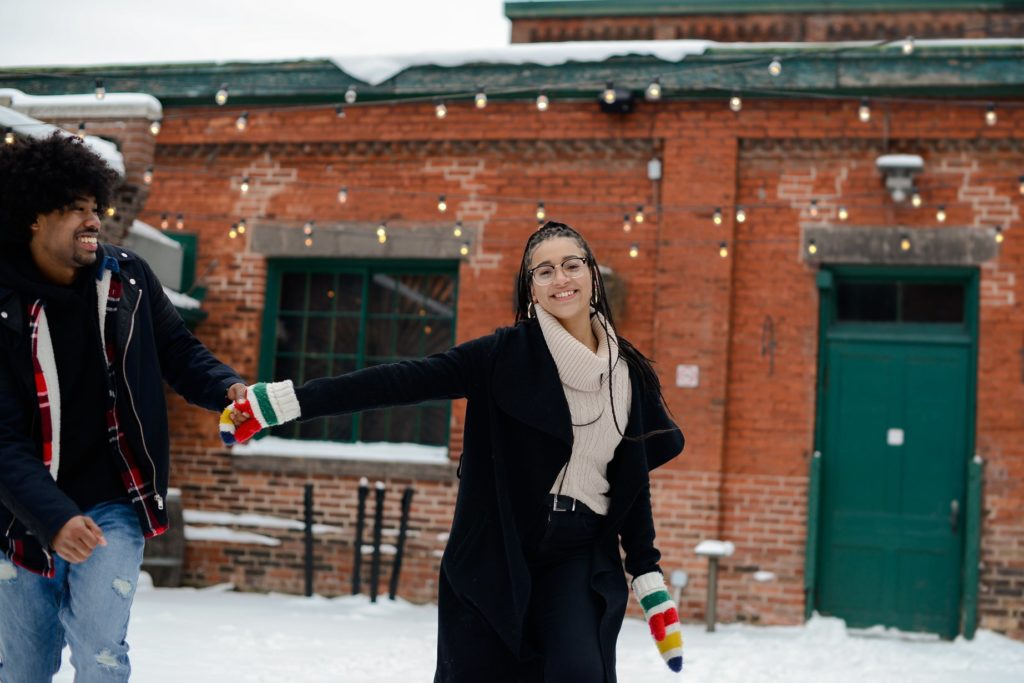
(635, 360)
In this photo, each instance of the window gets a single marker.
(327, 318)
(900, 301)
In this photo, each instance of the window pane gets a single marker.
(867, 302)
(933, 303)
(289, 334)
(293, 292)
(318, 335)
(346, 335)
(349, 293)
(322, 291)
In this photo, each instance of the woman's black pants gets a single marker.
(565, 612)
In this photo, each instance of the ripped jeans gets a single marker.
(85, 605)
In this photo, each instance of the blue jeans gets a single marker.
(85, 605)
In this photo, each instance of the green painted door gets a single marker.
(895, 445)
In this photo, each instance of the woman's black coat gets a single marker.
(518, 436)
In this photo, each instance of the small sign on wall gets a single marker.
(688, 376)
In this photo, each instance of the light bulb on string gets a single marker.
(100, 91)
(242, 122)
(634, 250)
(639, 217)
(9, 137)
(307, 229)
(915, 198)
(864, 110)
(243, 186)
(1020, 185)
(81, 130)
(541, 213)
(905, 244)
(991, 118)
(723, 249)
(775, 67)
(351, 95)
(464, 249)
(382, 233)
(457, 230)
(813, 210)
(147, 177)
(736, 102)
(241, 227)
(843, 213)
(180, 222)
(111, 211)
(221, 98)
(608, 94)
(154, 127)
(543, 102)
(653, 91)
(440, 110)
(627, 225)
(741, 214)
(908, 45)
(812, 247)
(940, 213)
(480, 99)
(233, 231)
(716, 217)
(999, 237)
(339, 111)
(164, 221)
(442, 204)
(343, 194)
(308, 242)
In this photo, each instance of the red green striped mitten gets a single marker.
(661, 615)
(269, 404)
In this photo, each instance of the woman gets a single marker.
(564, 420)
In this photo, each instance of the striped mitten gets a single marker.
(661, 615)
(269, 404)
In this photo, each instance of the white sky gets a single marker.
(75, 32)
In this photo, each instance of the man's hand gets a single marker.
(236, 392)
(260, 406)
(77, 539)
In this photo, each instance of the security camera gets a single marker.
(899, 171)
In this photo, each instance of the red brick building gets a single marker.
(826, 274)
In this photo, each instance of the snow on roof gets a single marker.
(379, 68)
(182, 300)
(330, 450)
(26, 125)
(376, 69)
(149, 232)
(112, 106)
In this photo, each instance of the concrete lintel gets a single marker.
(359, 240)
(954, 246)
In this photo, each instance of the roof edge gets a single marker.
(543, 9)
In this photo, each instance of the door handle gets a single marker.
(954, 514)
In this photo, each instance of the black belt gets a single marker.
(562, 503)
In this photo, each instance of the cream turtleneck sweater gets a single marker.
(584, 376)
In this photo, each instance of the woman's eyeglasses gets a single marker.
(574, 267)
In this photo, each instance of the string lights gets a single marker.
(164, 221)
(716, 217)
(842, 213)
(442, 204)
(180, 222)
(812, 248)
(243, 186)
(905, 243)
(154, 127)
(480, 99)
(242, 122)
(221, 98)
(723, 249)
(147, 177)
(915, 198)
(464, 249)
(908, 45)
(81, 130)
(634, 250)
(440, 110)
(241, 226)
(542, 102)
(382, 233)
(541, 213)
(999, 234)
(351, 95)
(639, 217)
(736, 102)
(608, 94)
(940, 213)
(775, 66)
(9, 138)
(627, 225)
(457, 230)
(813, 210)
(991, 118)
(653, 91)
(741, 214)
(343, 194)
(100, 91)
(864, 110)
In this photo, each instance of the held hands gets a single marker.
(661, 615)
(260, 406)
(77, 539)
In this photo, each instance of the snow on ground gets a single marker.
(215, 634)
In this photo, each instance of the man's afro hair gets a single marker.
(38, 176)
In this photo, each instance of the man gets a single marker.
(86, 338)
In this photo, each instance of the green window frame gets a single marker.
(326, 317)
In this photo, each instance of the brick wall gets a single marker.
(732, 28)
(749, 423)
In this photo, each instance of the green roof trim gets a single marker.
(982, 69)
(542, 9)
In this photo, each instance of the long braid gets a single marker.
(634, 359)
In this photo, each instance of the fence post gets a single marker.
(308, 509)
